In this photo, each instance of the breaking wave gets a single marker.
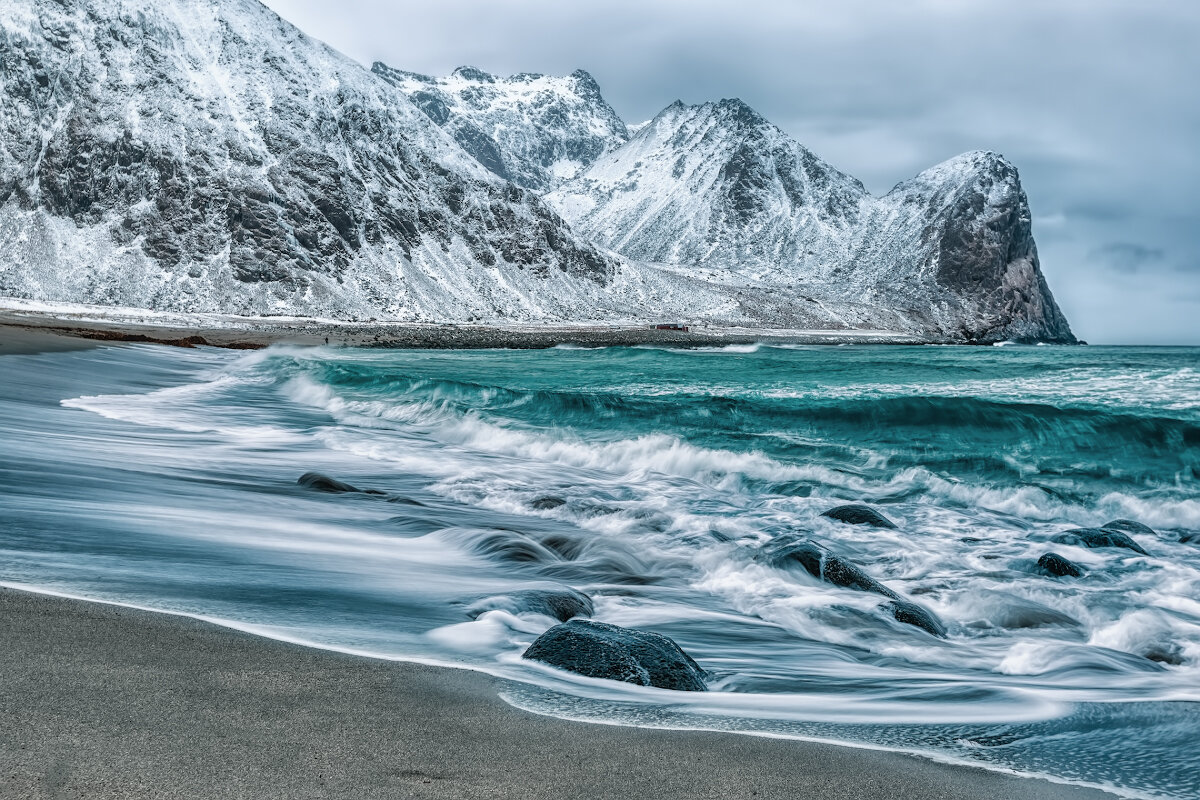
(653, 480)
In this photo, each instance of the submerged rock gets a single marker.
(912, 614)
(1128, 526)
(825, 566)
(1017, 613)
(503, 544)
(1191, 537)
(859, 515)
(600, 650)
(562, 603)
(1165, 653)
(1098, 537)
(547, 503)
(323, 483)
(1058, 566)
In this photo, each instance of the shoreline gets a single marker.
(100, 324)
(106, 700)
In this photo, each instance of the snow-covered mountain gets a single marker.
(719, 191)
(534, 130)
(204, 155)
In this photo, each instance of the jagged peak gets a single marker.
(586, 84)
(469, 73)
(380, 68)
(733, 112)
(965, 169)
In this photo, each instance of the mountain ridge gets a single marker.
(717, 186)
(207, 156)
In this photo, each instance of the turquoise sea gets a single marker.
(653, 479)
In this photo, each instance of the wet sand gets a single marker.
(100, 701)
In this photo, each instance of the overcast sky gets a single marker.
(1095, 101)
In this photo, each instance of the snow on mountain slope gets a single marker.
(715, 190)
(714, 183)
(204, 155)
(535, 130)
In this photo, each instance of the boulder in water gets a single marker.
(562, 603)
(600, 650)
(1098, 537)
(1060, 567)
(323, 483)
(859, 515)
(825, 566)
(1191, 537)
(1128, 526)
(505, 544)
(1017, 613)
(547, 503)
(912, 614)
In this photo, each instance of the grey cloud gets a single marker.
(1126, 256)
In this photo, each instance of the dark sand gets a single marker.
(16, 340)
(253, 333)
(99, 701)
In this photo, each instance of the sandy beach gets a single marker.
(98, 323)
(105, 701)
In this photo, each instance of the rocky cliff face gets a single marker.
(717, 189)
(534, 130)
(963, 230)
(205, 155)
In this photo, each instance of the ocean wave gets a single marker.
(656, 483)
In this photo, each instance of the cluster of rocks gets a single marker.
(1114, 534)
(601, 650)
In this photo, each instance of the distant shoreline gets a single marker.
(104, 700)
(98, 324)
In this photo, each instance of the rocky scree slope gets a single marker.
(720, 192)
(204, 155)
(534, 130)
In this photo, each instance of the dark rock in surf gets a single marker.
(1098, 537)
(1165, 653)
(600, 650)
(825, 566)
(547, 503)
(1128, 526)
(503, 544)
(323, 483)
(1016, 613)
(1054, 564)
(859, 515)
(912, 614)
(1191, 537)
(561, 603)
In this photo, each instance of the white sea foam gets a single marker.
(666, 533)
